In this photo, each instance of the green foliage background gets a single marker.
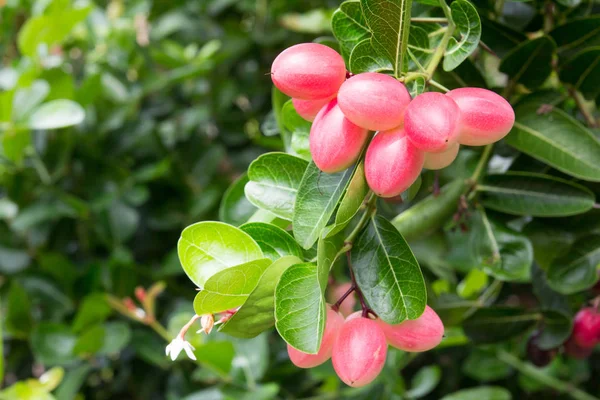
(123, 122)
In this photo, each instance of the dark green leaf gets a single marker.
(93, 310)
(90, 341)
(468, 26)
(424, 381)
(583, 72)
(349, 26)
(578, 270)
(484, 366)
(235, 209)
(500, 38)
(496, 324)
(556, 330)
(577, 32)
(273, 241)
(480, 393)
(364, 58)
(53, 343)
(530, 62)
(19, 320)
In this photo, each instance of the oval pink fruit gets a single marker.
(332, 328)
(392, 163)
(308, 109)
(441, 160)
(421, 334)
(337, 291)
(486, 116)
(374, 101)
(308, 71)
(335, 142)
(359, 352)
(586, 327)
(431, 122)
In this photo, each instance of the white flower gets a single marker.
(178, 344)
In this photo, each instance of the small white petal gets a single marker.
(188, 350)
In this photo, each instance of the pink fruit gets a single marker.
(421, 334)
(308, 109)
(374, 101)
(308, 71)
(337, 291)
(586, 327)
(335, 142)
(392, 163)
(486, 116)
(359, 352)
(332, 328)
(441, 160)
(432, 122)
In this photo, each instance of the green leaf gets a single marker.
(256, 315)
(578, 270)
(557, 329)
(416, 87)
(364, 58)
(116, 336)
(537, 195)
(53, 343)
(388, 273)
(298, 127)
(273, 241)
(274, 182)
(278, 99)
(206, 248)
(430, 213)
(500, 38)
(313, 21)
(235, 209)
(556, 139)
(217, 356)
(424, 381)
(530, 63)
(19, 320)
(349, 26)
(300, 308)
(583, 72)
(419, 49)
(549, 299)
(72, 382)
(389, 23)
(318, 197)
(56, 114)
(90, 341)
(14, 144)
(26, 99)
(230, 288)
(480, 393)
(577, 32)
(496, 324)
(93, 310)
(468, 26)
(484, 366)
(327, 251)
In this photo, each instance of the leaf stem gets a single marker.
(369, 211)
(365, 308)
(430, 20)
(441, 49)
(550, 381)
(339, 302)
(438, 85)
(585, 111)
(483, 159)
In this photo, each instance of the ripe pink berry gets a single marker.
(486, 116)
(421, 334)
(308, 109)
(374, 101)
(333, 324)
(392, 163)
(335, 142)
(432, 122)
(441, 160)
(359, 352)
(586, 327)
(337, 291)
(308, 71)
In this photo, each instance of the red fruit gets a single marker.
(335, 142)
(392, 163)
(586, 327)
(486, 116)
(432, 122)
(308, 109)
(308, 71)
(441, 160)
(359, 352)
(336, 292)
(374, 101)
(421, 334)
(332, 328)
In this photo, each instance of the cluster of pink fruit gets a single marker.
(412, 134)
(357, 345)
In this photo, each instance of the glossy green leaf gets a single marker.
(235, 209)
(94, 309)
(327, 250)
(299, 129)
(256, 315)
(424, 381)
(230, 288)
(364, 58)
(274, 182)
(577, 270)
(26, 99)
(480, 393)
(557, 329)
(388, 273)
(56, 114)
(496, 324)
(419, 49)
(206, 248)
(535, 194)
(416, 86)
(300, 307)
(557, 139)
(273, 241)
(530, 62)
(318, 197)
(53, 343)
(499, 37)
(468, 27)
(583, 72)
(577, 32)
(349, 26)
(90, 341)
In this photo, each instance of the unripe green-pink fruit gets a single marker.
(308, 109)
(432, 122)
(359, 352)
(441, 160)
(332, 328)
(308, 71)
(392, 163)
(421, 334)
(486, 116)
(335, 142)
(374, 101)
